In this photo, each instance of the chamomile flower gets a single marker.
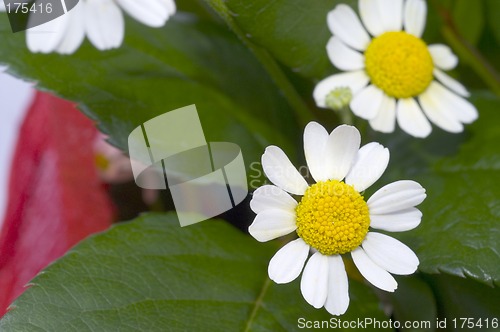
(333, 219)
(101, 21)
(393, 74)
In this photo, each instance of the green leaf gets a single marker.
(414, 302)
(293, 31)
(158, 70)
(153, 275)
(469, 19)
(459, 299)
(459, 230)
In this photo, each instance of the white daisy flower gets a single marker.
(101, 21)
(332, 218)
(391, 73)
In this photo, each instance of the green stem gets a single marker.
(472, 56)
(302, 112)
(469, 53)
(345, 116)
(258, 304)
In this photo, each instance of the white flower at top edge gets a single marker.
(332, 218)
(102, 21)
(391, 73)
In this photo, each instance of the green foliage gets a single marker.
(158, 70)
(251, 83)
(293, 31)
(459, 231)
(153, 275)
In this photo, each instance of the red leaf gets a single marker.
(55, 196)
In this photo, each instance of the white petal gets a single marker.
(344, 23)
(400, 221)
(344, 57)
(370, 163)
(340, 151)
(370, 15)
(367, 102)
(396, 196)
(170, 5)
(75, 31)
(445, 100)
(314, 282)
(376, 275)
(287, 263)
(46, 38)
(414, 17)
(390, 254)
(391, 13)
(271, 224)
(411, 119)
(451, 83)
(354, 80)
(443, 57)
(153, 13)
(280, 171)
(337, 300)
(315, 138)
(271, 197)
(444, 117)
(104, 24)
(385, 121)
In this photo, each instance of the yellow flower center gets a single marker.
(399, 64)
(332, 217)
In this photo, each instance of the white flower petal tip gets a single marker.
(436, 109)
(341, 149)
(370, 163)
(396, 196)
(271, 224)
(367, 102)
(280, 171)
(314, 282)
(344, 23)
(354, 80)
(288, 262)
(47, 37)
(153, 13)
(342, 56)
(337, 300)
(400, 221)
(411, 119)
(415, 14)
(270, 197)
(390, 254)
(315, 138)
(446, 107)
(104, 24)
(373, 273)
(443, 57)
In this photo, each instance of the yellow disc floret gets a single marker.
(399, 64)
(332, 217)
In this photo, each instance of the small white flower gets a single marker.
(332, 218)
(391, 73)
(101, 21)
